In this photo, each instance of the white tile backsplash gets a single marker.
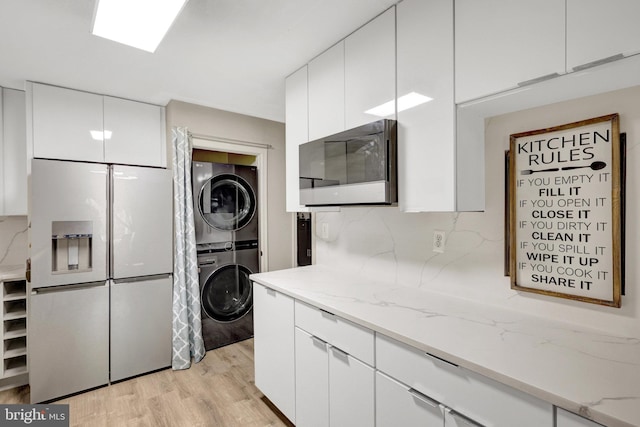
(383, 243)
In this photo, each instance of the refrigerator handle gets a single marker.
(110, 187)
(140, 278)
(62, 288)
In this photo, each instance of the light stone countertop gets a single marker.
(12, 272)
(581, 370)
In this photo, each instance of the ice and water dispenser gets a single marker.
(71, 246)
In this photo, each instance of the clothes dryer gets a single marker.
(226, 291)
(225, 202)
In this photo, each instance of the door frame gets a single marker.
(260, 153)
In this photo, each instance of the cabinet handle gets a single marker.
(326, 313)
(318, 340)
(441, 359)
(598, 62)
(340, 353)
(538, 79)
(423, 398)
(461, 418)
(271, 292)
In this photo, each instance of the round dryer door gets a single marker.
(227, 202)
(227, 293)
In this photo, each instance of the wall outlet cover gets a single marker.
(438, 241)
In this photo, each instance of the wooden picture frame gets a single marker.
(565, 211)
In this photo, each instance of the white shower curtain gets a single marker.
(187, 326)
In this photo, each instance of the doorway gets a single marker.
(211, 149)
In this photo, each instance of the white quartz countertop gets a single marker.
(581, 370)
(11, 272)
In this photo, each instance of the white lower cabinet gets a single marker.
(334, 386)
(274, 348)
(351, 391)
(322, 370)
(312, 380)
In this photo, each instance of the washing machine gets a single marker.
(225, 202)
(226, 292)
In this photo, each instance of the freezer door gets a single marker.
(68, 336)
(141, 318)
(68, 223)
(142, 222)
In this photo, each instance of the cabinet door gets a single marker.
(598, 30)
(370, 70)
(13, 145)
(568, 419)
(274, 349)
(312, 380)
(399, 405)
(134, 133)
(140, 327)
(351, 391)
(67, 124)
(426, 137)
(296, 133)
(326, 93)
(496, 50)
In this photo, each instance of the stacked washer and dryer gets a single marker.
(226, 225)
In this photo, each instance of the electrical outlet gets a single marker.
(438, 241)
(325, 230)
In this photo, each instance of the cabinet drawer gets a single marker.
(347, 336)
(399, 405)
(475, 396)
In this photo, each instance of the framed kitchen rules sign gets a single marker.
(564, 211)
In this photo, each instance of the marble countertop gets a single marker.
(581, 370)
(12, 272)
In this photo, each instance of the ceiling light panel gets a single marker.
(138, 23)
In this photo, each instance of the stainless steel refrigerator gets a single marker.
(101, 261)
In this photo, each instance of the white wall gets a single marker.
(13, 240)
(383, 244)
(226, 125)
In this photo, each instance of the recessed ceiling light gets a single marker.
(138, 23)
(410, 100)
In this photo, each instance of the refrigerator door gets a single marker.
(142, 222)
(68, 335)
(68, 223)
(141, 318)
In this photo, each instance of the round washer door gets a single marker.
(227, 202)
(227, 293)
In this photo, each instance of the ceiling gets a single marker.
(228, 54)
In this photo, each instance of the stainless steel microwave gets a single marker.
(354, 167)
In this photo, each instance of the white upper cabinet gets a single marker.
(13, 150)
(67, 124)
(601, 30)
(426, 132)
(134, 133)
(370, 70)
(503, 44)
(326, 93)
(296, 133)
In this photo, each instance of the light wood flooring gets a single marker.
(217, 392)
